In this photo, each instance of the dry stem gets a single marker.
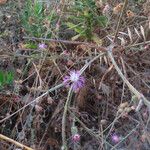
(131, 87)
(3, 137)
(119, 21)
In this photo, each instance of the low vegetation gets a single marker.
(74, 75)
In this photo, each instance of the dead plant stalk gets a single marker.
(3, 137)
(131, 87)
(119, 20)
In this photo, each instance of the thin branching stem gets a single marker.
(67, 42)
(130, 86)
(35, 100)
(64, 140)
(120, 17)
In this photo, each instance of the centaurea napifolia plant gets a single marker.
(74, 79)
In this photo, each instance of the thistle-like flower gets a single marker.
(75, 80)
(42, 46)
(76, 137)
(115, 138)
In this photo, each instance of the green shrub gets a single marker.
(37, 20)
(84, 18)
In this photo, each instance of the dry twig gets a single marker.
(119, 21)
(3, 137)
(131, 87)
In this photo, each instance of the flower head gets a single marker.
(75, 80)
(76, 137)
(42, 46)
(115, 138)
(106, 9)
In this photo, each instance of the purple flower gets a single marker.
(76, 137)
(42, 46)
(115, 138)
(75, 80)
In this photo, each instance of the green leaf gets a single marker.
(38, 7)
(6, 78)
(76, 37)
(77, 28)
(9, 77)
(1, 78)
(102, 20)
(30, 46)
(71, 25)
